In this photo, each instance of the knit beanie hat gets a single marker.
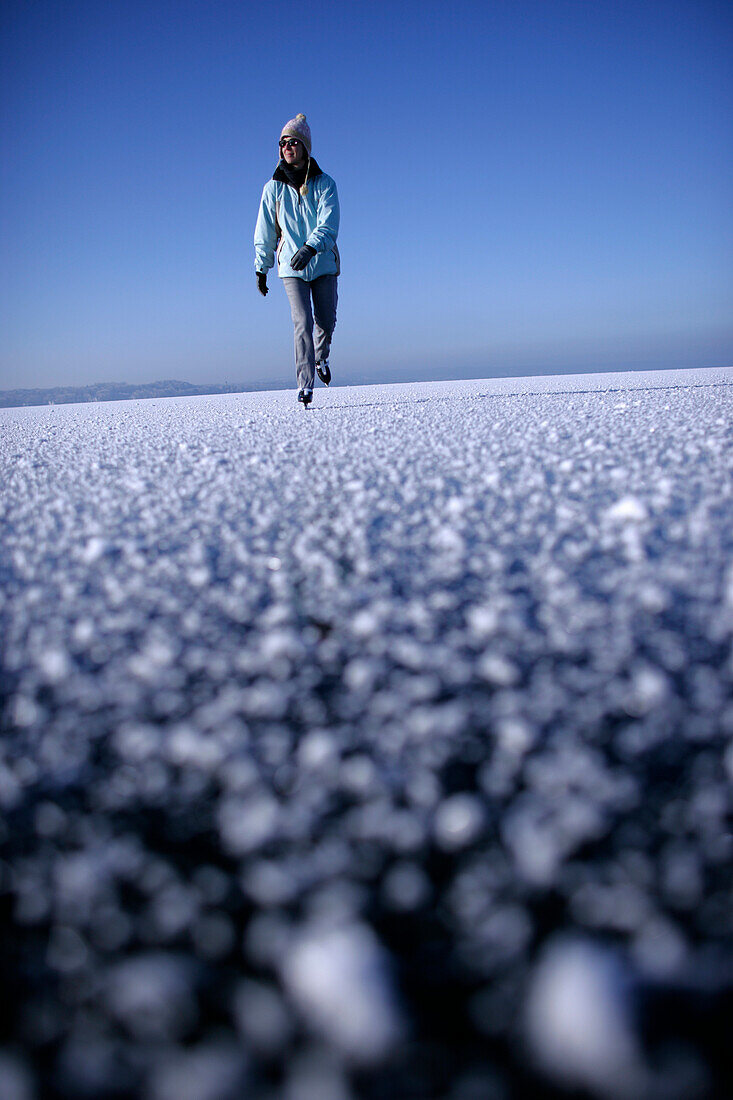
(298, 128)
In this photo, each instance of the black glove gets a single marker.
(262, 283)
(302, 257)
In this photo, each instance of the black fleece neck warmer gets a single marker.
(296, 176)
(287, 175)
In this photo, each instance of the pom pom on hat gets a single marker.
(299, 128)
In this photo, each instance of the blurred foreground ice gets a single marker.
(379, 750)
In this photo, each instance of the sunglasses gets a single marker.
(289, 143)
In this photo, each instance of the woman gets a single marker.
(299, 220)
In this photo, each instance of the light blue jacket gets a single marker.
(287, 220)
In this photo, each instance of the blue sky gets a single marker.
(526, 185)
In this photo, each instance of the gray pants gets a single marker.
(312, 343)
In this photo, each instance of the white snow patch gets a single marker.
(577, 1023)
(627, 510)
(338, 978)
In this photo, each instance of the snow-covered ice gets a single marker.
(370, 749)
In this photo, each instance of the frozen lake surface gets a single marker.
(377, 750)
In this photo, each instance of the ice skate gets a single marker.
(305, 397)
(323, 371)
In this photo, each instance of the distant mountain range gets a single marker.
(124, 391)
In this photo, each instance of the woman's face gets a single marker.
(292, 151)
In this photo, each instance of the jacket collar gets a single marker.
(296, 179)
